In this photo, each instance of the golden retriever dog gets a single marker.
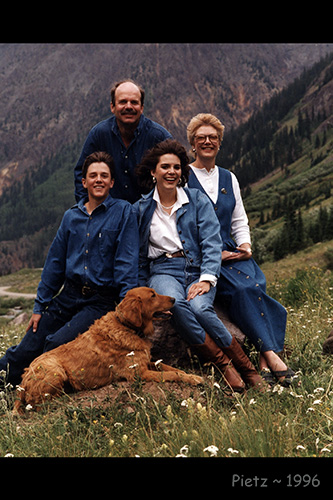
(115, 347)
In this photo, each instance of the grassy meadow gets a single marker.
(197, 422)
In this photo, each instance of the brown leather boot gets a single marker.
(244, 365)
(210, 352)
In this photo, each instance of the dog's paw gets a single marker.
(196, 380)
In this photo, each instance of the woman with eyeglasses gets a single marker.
(241, 285)
(180, 256)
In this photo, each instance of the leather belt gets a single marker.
(174, 255)
(88, 291)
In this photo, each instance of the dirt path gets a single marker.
(4, 293)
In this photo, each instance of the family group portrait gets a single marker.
(166, 254)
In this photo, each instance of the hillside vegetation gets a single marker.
(169, 420)
(283, 158)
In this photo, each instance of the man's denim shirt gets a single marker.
(198, 228)
(105, 136)
(100, 249)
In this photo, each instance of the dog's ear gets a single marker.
(131, 310)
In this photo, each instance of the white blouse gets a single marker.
(164, 236)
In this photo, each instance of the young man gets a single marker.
(125, 136)
(94, 257)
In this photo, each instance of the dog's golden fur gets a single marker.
(115, 347)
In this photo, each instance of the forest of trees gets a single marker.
(257, 147)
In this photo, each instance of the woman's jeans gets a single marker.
(69, 314)
(194, 318)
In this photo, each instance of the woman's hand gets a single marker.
(244, 253)
(198, 289)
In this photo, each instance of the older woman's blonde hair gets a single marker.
(204, 119)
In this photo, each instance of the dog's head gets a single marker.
(143, 305)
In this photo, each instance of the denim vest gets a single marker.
(198, 229)
(224, 206)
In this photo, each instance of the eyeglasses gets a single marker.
(213, 138)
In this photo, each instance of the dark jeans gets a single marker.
(68, 315)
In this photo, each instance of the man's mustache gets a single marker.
(128, 112)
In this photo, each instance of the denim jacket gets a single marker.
(198, 228)
(98, 249)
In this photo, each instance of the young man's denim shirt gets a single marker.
(105, 136)
(198, 229)
(100, 250)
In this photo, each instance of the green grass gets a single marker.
(295, 422)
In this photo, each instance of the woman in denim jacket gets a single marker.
(180, 256)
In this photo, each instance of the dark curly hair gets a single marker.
(152, 157)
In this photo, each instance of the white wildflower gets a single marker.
(130, 353)
(300, 447)
(252, 401)
(325, 450)
(278, 388)
(296, 395)
(231, 450)
(183, 452)
(212, 450)
(28, 407)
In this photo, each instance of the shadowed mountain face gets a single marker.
(51, 94)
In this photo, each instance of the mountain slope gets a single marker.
(52, 95)
(284, 161)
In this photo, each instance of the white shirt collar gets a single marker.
(182, 198)
(204, 171)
